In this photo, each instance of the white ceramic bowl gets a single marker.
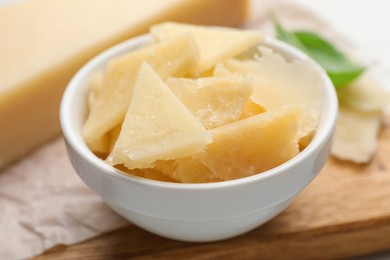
(193, 212)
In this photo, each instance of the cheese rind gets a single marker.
(41, 51)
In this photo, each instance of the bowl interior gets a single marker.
(74, 110)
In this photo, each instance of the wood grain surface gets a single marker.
(344, 212)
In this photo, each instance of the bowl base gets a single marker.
(201, 231)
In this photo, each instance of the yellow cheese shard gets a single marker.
(252, 145)
(106, 143)
(175, 57)
(251, 109)
(240, 149)
(95, 91)
(99, 146)
(151, 174)
(304, 140)
(360, 115)
(214, 101)
(157, 125)
(165, 166)
(215, 44)
(186, 170)
(277, 83)
(192, 170)
(44, 42)
(368, 93)
(220, 70)
(252, 67)
(356, 134)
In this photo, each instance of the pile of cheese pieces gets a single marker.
(201, 104)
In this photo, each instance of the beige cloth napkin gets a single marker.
(42, 201)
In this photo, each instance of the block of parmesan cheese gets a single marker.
(44, 42)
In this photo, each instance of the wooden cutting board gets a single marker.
(345, 212)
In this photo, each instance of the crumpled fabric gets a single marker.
(43, 203)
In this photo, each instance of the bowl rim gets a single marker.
(319, 139)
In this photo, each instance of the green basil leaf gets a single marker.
(339, 67)
(286, 36)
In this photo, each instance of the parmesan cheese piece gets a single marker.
(299, 85)
(215, 44)
(213, 101)
(176, 57)
(368, 93)
(157, 125)
(356, 134)
(44, 42)
(252, 145)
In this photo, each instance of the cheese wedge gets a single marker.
(241, 149)
(192, 170)
(99, 146)
(176, 57)
(215, 44)
(214, 101)
(252, 145)
(356, 134)
(157, 125)
(44, 42)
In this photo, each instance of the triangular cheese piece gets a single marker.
(278, 83)
(356, 134)
(157, 125)
(215, 44)
(252, 145)
(214, 101)
(186, 170)
(174, 58)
